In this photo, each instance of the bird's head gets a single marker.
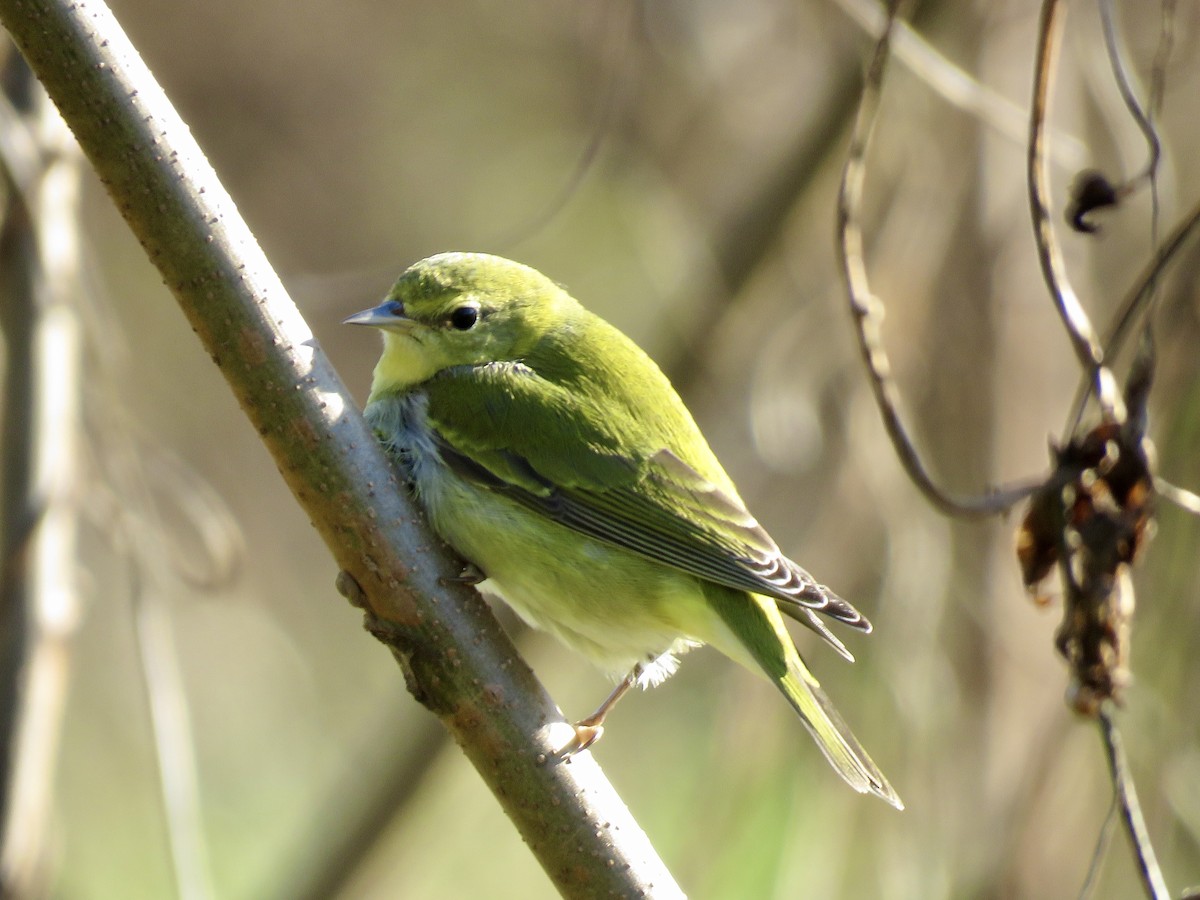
(458, 309)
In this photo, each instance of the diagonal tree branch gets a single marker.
(456, 659)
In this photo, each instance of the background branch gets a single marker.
(1078, 326)
(39, 592)
(867, 309)
(1131, 810)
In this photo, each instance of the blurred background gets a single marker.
(675, 165)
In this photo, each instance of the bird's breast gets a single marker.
(401, 422)
(615, 607)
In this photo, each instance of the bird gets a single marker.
(555, 457)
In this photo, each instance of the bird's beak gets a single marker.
(387, 314)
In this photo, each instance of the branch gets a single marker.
(1131, 810)
(1079, 328)
(1120, 70)
(1134, 307)
(953, 84)
(456, 659)
(39, 601)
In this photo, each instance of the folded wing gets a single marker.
(536, 442)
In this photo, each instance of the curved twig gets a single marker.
(867, 309)
(1133, 307)
(955, 85)
(1124, 85)
(1075, 320)
(1100, 851)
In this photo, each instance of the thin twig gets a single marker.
(126, 510)
(1075, 320)
(867, 309)
(1135, 305)
(1166, 44)
(142, 532)
(174, 744)
(1181, 497)
(957, 86)
(1145, 121)
(1100, 852)
(1116, 59)
(1131, 811)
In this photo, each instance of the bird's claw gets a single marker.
(586, 734)
(470, 575)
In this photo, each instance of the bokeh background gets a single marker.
(674, 164)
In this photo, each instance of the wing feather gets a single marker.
(575, 466)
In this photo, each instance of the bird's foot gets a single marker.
(590, 729)
(470, 575)
(587, 733)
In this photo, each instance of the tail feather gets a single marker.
(810, 619)
(833, 735)
(763, 642)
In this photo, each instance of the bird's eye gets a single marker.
(464, 318)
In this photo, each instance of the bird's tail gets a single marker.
(758, 627)
(832, 734)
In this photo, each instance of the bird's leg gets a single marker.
(588, 730)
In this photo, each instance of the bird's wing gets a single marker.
(503, 426)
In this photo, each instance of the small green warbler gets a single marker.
(550, 452)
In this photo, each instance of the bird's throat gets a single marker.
(404, 363)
